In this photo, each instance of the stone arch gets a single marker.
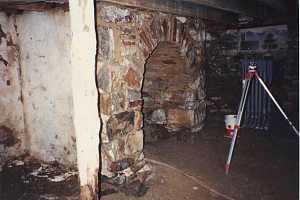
(188, 35)
(126, 39)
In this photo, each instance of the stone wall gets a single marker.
(291, 74)
(173, 92)
(223, 71)
(126, 39)
(225, 49)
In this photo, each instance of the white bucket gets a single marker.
(230, 121)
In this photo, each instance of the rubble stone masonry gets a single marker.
(126, 39)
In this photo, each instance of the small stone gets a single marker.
(105, 104)
(122, 165)
(132, 78)
(104, 79)
(138, 120)
(17, 163)
(179, 117)
(133, 95)
(118, 102)
(195, 188)
(104, 45)
(134, 143)
(137, 105)
(128, 172)
(159, 116)
(120, 124)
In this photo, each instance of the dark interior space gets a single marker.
(149, 100)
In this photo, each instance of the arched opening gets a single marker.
(171, 93)
(120, 75)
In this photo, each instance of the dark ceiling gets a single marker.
(275, 11)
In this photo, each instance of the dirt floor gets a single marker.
(25, 178)
(265, 166)
(168, 184)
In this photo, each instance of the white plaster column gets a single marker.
(85, 96)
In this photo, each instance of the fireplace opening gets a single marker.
(173, 94)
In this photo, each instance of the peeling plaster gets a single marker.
(10, 99)
(46, 84)
(35, 86)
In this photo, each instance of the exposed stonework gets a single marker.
(291, 74)
(127, 37)
(226, 48)
(174, 87)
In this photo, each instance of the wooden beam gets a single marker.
(34, 1)
(182, 8)
(279, 5)
(168, 6)
(249, 8)
(34, 6)
(236, 6)
(85, 96)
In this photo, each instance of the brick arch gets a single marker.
(127, 37)
(188, 35)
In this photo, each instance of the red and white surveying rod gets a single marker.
(249, 75)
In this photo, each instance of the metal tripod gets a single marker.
(251, 73)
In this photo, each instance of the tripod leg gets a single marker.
(239, 118)
(276, 103)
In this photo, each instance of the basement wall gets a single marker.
(126, 39)
(12, 132)
(44, 40)
(36, 83)
(173, 93)
(225, 49)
